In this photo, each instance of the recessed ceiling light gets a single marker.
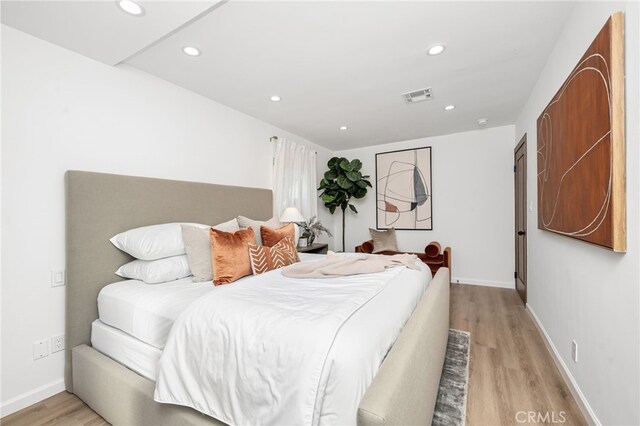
(131, 7)
(449, 107)
(275, 98)
(482, 122)
(343, 127)
(191, 51)
(436, 49)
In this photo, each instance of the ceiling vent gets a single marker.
(418, 95)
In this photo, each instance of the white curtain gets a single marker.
(294, 179)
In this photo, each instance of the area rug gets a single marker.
(451, 404)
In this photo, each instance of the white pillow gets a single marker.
(245, 222)
(198, 245)
(153, 242)
(156, 271)
(228, 226)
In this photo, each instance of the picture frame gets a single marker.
(404, 198)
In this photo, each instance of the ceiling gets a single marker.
(100, 29)
(332, 63)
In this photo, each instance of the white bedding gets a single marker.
(277, 356)
(127, 350)
(147, 311)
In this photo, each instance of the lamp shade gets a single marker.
(291, 214)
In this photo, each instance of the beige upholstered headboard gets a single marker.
(100, 205)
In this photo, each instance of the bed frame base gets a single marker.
(123, 397)
(405, 389)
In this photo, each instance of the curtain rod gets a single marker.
(275, 139)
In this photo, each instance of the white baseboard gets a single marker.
(579, 397)
(471, 281)
(31, 397)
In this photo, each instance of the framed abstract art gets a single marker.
(581, 147)
(403, 189)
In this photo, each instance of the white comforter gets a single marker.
(257, 351)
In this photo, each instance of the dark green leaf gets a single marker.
(356, 165)
(353, 208)
(345, 165)
(330, 175)
(324, 184)
(344, 182)
(368, 183)
(361, 183)
(344, 205)
(354, 176)
(326, 198)
(332, 209)
(360, 193)
(333, 162)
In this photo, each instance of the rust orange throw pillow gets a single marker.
(271, 236)
(229, 254)
(265, 259)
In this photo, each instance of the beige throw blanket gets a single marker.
(339, 265)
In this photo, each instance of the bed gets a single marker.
(100, 205)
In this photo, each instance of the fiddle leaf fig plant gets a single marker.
(342, 182)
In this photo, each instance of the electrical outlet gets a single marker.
(574, 351)
(40, 349)
(58, 277)
(57, 343)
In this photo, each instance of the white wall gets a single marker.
(1, 398)
(63, 111)
(472, 203)
(579, 291)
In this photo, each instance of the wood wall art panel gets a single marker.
(581, 147)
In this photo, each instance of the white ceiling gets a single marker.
(332, 63)
(99, 29)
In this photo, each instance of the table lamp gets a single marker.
(292, 214)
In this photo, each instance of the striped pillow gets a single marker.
(265, 259)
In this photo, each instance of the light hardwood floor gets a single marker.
(61, 409)
(510, 371)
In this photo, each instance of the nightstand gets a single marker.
(315, 248)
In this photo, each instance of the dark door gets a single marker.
(520, 169)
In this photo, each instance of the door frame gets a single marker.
(521, 145)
